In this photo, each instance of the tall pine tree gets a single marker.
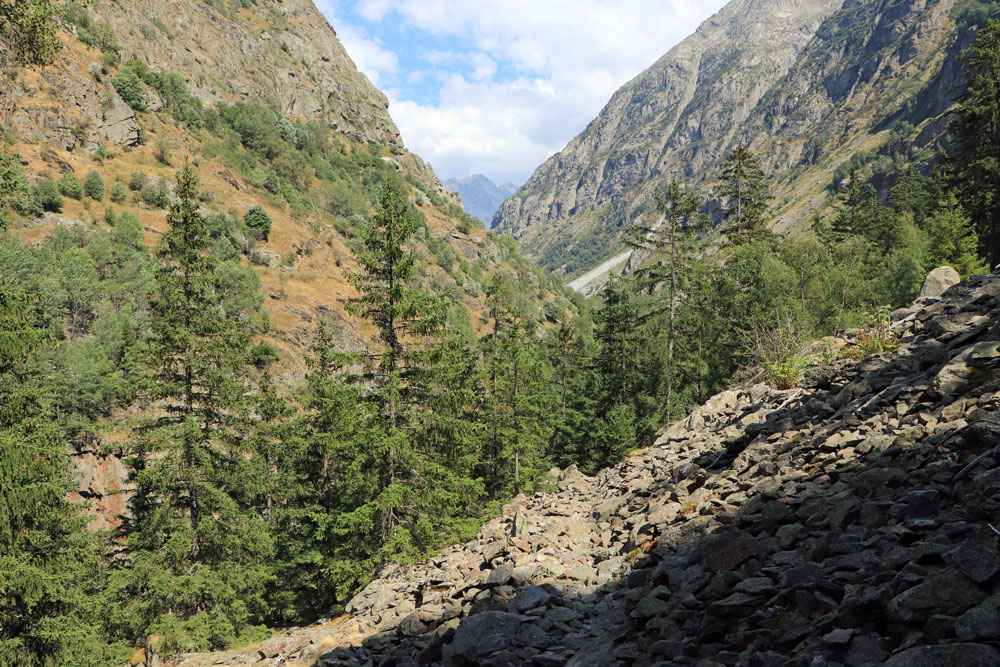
(619, 332)
(515, 411)
(196, 571)
(977, 127)
(672, 244)
(401, 507)
(745, 192)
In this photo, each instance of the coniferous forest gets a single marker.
(254, 507)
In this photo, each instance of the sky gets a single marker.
(496, 87)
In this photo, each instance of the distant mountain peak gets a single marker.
(481, 197)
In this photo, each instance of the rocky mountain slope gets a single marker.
(283, 60)
(481, 197)
(848, 521)
(807, 84)
(284, 53)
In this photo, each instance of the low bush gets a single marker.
(118, 192)
(93, 186)
(48, 197)
(258, 222)
(70, 186)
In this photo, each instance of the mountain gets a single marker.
(848, 521)
(480, 196)
(812, 86)
(308, 138)
(262, 100)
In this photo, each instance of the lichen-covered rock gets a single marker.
(939, 280)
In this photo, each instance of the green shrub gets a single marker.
(785, 373)
(156, 194)
(100, 35)
(258, 222)
(137, 181)
(128, 231)
(110, 219)
(118, 192)
(174, 92)
(93, 186)
(162, 27)
(26, 203)
(48, 197)
(76, 14)
(70, 186)
(876, 338)
(163, 151)
(129, 88)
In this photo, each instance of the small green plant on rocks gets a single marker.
(774, 348)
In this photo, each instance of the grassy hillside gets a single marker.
(315, 182)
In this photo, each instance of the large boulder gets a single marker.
(481, 635)
(939, 280)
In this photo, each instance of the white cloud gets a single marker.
(538, 72)
(369, 55)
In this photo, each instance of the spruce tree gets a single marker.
(571, 356)
(514, 401)
(619, 333)
(746, 195)
(566, 349)
(977, 128)
(407, 320)
(331, 549)
(196, 569)
(863, 216)
(46, 555)
(953, 239)
(672, 246)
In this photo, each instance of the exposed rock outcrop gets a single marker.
(281, 53)
(844, 522)
(100, 481)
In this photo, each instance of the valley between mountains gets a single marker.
(721, 387)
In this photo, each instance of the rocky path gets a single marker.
(844, 522)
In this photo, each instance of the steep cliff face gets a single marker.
(280, 53)
(806, 83)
